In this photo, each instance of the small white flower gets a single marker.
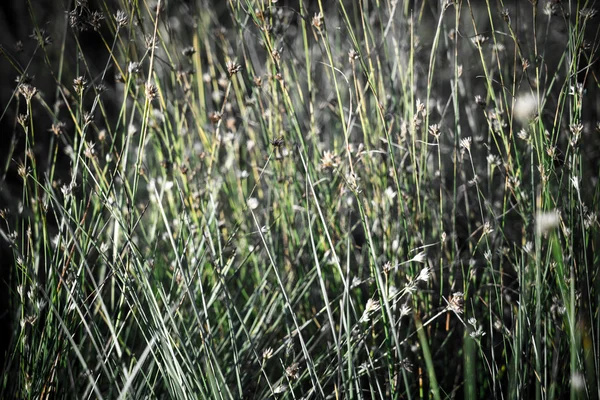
(420, 107)
(487, 255)
(487, 228)
(405, 310)
(493, 160)
(363, 368)
(424, 275)
(329, 160)
(523, 135)
(465, 143)
(477, 333)
(66, 190)
(280, 388)
(133, 67)
(390, 193)
(455, 302)
(420, 258)
(267, 353)
(371, 306)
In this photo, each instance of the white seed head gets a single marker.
(253, 203)
(526, 107)
(546, 221)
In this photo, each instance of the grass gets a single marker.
(350, 199)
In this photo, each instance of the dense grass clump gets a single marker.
(301, 199)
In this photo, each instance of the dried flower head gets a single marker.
(523, 135)
(151, 91)
(455, 303)
(23, 120)
(479, 40)
(76, 20)
(188, 51)
(576, 130)
(487, 228)
(478, 332)
(151, 42)
(434, 130)
(24, 79)
(276, 54)
(406, 365)
(233, 67)
(317, 21)
(420, 107)
(352, 182)
(293, 371)
(329, 160)
(277, 142)
(95, 20)
(493, 160)
(267, 353)
(215, 116)
(588, 12)
(372, 305)
(121, 18)
(465, 143)
(27, 91)
(22, 170)
(280, 388)
(387, 267)
(57, 128)
(90, 151)
(424, 275)
(101, 88)
(551, 8)
(133, 67)
(88, 117)
(390, 193)
(421, 257)
(79, 84)
(43, 38)
(405, 310)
